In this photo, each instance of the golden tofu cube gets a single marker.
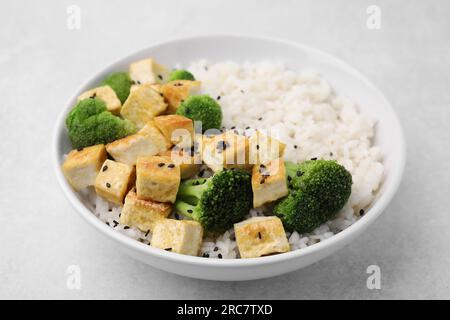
(114, 180)
(142, 105)
(107, 95)
(260, 236)
(143, 214)
(226, 150)
(181, 236)
(175, 92)
(177, 129)
(158, 179)
(263, 148)
(82, 166)
(148, 71)
(269, 182)
(189, 162)
(148, 141)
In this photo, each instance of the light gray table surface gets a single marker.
(42, 62)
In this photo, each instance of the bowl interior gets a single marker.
(344, 79)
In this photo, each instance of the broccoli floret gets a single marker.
(318, 190)
(202, 108)
(181, 75)
(216, 202)
(121, 83)
(89, 124)
(83, 110)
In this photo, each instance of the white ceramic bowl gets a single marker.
(344, 79)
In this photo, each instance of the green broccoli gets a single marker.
(216, 202)
(89, 124)
(121, 83)
(83, 110)
(181, 75)
(318, 190)
(202, 108)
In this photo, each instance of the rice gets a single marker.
(303, 112)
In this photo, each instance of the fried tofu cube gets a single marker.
(82, 166)
(107, 95)
(263, 148)
(148, 71)
(142, 105)
(260, 236)
(143, 214)
(114, 180)
(175, 92)
(269, 182)
(149, 141)
(177, 129)
(226, 150)
(181, 236)
(189, 161)
(158, 179)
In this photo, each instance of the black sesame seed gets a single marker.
(313, 159)
(133, 82)
(160, 77)
(161, 164)
(331, 154)
(295, 146)
(138, 82)
(148, 231)
(361, 212)
(168, 249)
(161, 94)
(115, 223)
(216, 248)
(80, 149)
(206, 255)
(107, 223)
(257, 147)
(190, 211)
(233, 127)
(259, 235)
(248, 127)
(219, 256)
(218, 97)
(171, 166)
(222, 145)
(105, 168)
(260, 118)
(108, 185)
(126, 227)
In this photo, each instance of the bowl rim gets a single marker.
(377, 208)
